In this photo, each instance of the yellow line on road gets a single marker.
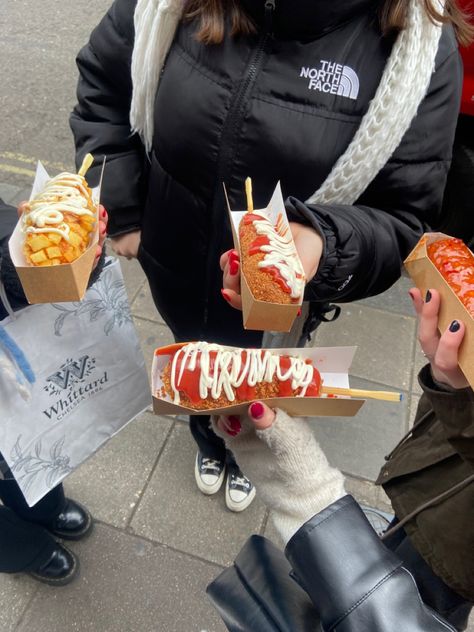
(10, 155)
(18, 170)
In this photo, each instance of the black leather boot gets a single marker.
(59, 569)
(73, 523)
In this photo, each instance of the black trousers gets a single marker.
(209, 444)
(25, 544)
(433, 591)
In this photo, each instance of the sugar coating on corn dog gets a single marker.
(59, 221)
(204, 376)
(269, 259)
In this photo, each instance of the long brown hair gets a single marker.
(393, 15)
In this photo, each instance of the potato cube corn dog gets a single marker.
(58, 222)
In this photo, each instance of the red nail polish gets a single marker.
(411, 295)
(233, 268)
(299, 312)
(225, 295)
(104, 213)
(256, 410)
(234, 423)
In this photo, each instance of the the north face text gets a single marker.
(332, 78)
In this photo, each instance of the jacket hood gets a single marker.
(309, 18)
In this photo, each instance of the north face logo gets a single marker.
(70, 372)
(332, 78)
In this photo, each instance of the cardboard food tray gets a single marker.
(53, 284)
(426, 276)
(332, 362)
(263, 315)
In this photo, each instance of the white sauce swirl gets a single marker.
(280, 253)
(65, 193)
(229, 371)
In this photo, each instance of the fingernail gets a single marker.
(225, 295)
(234, 423)
(411, 295)
(299, 312)
(256, 410)
(103, 230)
(428, 296)
(104, 213)
(454, 326)
(233, 268)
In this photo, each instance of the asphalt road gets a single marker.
(40, 39)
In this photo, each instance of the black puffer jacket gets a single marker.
(247, 107)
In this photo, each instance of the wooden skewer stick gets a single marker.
(248, 191)
(388, 396)
(86, 163)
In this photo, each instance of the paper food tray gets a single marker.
(332, 362)
(425, 276)
(263, 315)
(54, 284)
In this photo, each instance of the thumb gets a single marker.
(261, 415)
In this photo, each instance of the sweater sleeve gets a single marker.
(100, 119)
(365, 244)
(455, 411)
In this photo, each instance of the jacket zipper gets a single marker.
(231, 127)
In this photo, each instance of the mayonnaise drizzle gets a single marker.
(230, 371)
(280, 253)
(65, 193)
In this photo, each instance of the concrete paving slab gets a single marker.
(144, 306)
(151, 335)
(133, 275)
(127, 585)
(110, 483)
(357, 445)
(396, 299)
(16, 592)
(8, 192)
(385, 343)
(174, 512)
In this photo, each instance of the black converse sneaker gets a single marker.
(239, 491)
(209, 474)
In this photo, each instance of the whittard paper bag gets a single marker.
(91, 381)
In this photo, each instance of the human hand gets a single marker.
(282, 458)
(103, 219)
(440, 349)
(309, 246)
(127, 245)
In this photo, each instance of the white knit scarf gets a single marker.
(403, 85)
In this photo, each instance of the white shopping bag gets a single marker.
(91, 381)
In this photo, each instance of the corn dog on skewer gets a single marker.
(59, 221)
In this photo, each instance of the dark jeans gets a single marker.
(24, 542)
(433, 591)
(209, 444)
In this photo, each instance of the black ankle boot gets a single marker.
(60, 569)
(73, 523)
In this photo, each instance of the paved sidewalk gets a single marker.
(158, 541)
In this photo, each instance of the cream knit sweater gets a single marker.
(403, 86)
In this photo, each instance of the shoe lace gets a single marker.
(240, 481)
(211, 464)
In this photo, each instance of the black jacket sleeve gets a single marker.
(100, 120)
(354, 581)
(366, 243)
